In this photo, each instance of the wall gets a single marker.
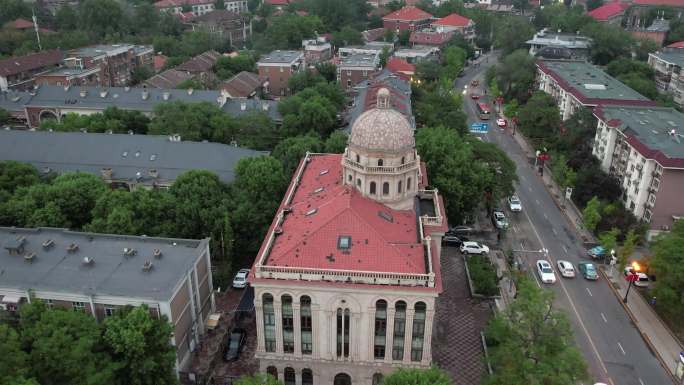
(277, 77)
(669, 200)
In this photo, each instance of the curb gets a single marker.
(635, 322)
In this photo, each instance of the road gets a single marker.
(612, 346)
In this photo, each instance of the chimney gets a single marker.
(174, 138)
(83, 92)
(66, 87)
(145, 93)
(166, 95)
(127, 88)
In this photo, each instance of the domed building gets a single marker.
(346, 279)
(381, 160)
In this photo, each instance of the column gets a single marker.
(427, 344)
(298, 372)
(315, 326)
(355, 337)
(261, 343)
(332, 337)
(297, 322)
(389, 338)
(408, 335)
(371, 330)
(278, 311)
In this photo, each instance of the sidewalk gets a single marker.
(655, 333)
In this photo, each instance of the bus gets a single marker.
(483, 111)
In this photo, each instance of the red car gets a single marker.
(501, 122)
(474, 96)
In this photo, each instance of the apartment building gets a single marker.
(99, 273)
(643, 147)
(408, 18)
(317, 50)
(667, 65)
(116, 62)
(277, 67)
(355, 68)
(576, 84)
(19, 72)
(575, 43)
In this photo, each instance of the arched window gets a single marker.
(289, 376)
(385, 188)
(288, 324)
(269, 323)
(372, 188)
(399, 187)
(307, 377)
(306, 325)
(380, 329)
(358, 158)
(408, 184)
(380, 162)
(399, 330)
(349, 178)
(418, 335)
(342, 379)
(377, 378)
(272, 371)
(358, 183)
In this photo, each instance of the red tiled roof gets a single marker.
(19, 64)
(453, 20)
(396, 64)
(669, 3)
(179, 3)
(430, 38)
(608, 10)
(377, 244)
(408, 13)
(20, 24)
(679, 44)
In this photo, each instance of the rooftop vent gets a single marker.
(147, 266)
(318, 190)
(174, 138)
(129, 252)
(153, 157)
(323, 172)
(48, 244)
(106, 172)
(88, 261)
(83, 93)
(127, 88)
(157, 253)
(16, 246)
(138, 176)
(166, 95)
(103, 93)
(311, 212)
(153, 173)
(243, 106)
(145, 94)
(264, 106)
(47, 170)
(29, 257)
(72, 248)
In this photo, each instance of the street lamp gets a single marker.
(631, 278)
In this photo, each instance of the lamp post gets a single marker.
(631, 278)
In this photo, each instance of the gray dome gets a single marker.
(382, 129)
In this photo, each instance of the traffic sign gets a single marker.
(479, 128)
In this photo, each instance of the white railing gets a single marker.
(382, 169)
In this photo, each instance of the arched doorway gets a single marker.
(47, 115)
(342, 379)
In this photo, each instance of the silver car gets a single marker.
(240, 280)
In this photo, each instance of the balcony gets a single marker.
(383, 169)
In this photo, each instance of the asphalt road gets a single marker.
(611, 344)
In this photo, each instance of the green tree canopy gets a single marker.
(292, 150)
(336, 142)
(610, 42)
(512, 32)
(229, 66)
(258, 379)
(539, 118)
(591, 215)
(431, 376)
(515, 75)
(668, 264)
(14, 361)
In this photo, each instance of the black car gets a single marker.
(234, 345)
(452, 239)
(460, 230)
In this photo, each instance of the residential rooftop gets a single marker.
(60, 260)
(672, 56)
(100, 49)
(557, 39)
(18, 64)
(590, 84)
(359, 60)
(130, 157)
(279, 56)
(657, 132)
(408, 13)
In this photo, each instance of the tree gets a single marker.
(627, 249)
(219, 4)
(640, 84)
(531, 342)
(140, 346)
(4, 116)
(608, 239)
(427, 70)
(13, 9)
(623, 66)
(512, 33)
(14, 361)
(292, 150)
(227, 66)
(515, 75)
(346, 36)
(337, 15)
(591, 215)
(501, 167)
(403, 37)
(431, 376)
(435, 108)
(256, 130)
(140, 74)
(593, 4)
(453, 170)
(288, 31)
(327, 70)
(336, 142)
(668, 265)
(539, 118)
(101, 17)
(609, 42)
(302, 80)
(14, 175)
(384, 55)
(257, 379)
(191, 120)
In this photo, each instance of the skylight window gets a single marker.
(153, 156)
(323, 172)
(319, 190)
(386, 216)
(124, 154)
(344, 242)
(311, 212)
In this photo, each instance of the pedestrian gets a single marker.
(653, 301)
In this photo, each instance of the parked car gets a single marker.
(642, 281)
(470, 247)
(452, 239)
(474, 96)
(501, 122)
(236, 340)
(588, 270)
(597, 252)
(240, 280)
(461, 229)
(514, 204)
(566, 269)
(545, 271)
(499, 219)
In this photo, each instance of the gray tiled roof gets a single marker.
(111, 273)
(279, 56)
(90, 152)
(14, 101)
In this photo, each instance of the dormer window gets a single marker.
(344, 242)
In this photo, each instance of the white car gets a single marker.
(642, 281)
(501, 122)
(514, 204)
(566, 269)
(240, 280)
(470, 247)
(545, 271)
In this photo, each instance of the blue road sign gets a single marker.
(479, 128)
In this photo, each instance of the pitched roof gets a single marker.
(216, 16)
(679, 44)
(373, 34)
(18, 64)
(203, 62)
(430, 37)
(367, 91)
(170, 78)
(180, 3)
(453, 20)
(127, 155)
(396, 64)
(242, 85)
(20, 24)
(608, 10)
(159, 62)
(408, 13)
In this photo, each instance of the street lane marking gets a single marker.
(621, 349)
(537, 200)
(565, 248)
(589, 291)
(572, 303)
(554, 231)
(604, 318)
(529, 188)
(641, 381)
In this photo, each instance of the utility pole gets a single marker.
(35, 27)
